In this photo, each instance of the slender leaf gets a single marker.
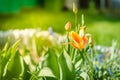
(50, 67)
(67, 68)
(85, 76)
(15, 67)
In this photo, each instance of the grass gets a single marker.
(104, 28)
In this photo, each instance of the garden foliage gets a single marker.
(78, 59)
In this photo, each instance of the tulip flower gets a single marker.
(79, 42)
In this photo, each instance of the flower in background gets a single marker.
(101, 57)
(50, 31)
(110, 71)
(68, 26)
(75, 9)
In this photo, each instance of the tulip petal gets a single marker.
(75, 45)
(76, 37)
(84, 40)
(79, 42)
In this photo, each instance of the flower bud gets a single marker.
(90, 39)
(68, 26)
(75, 9)
(82, 31)
(82, 20)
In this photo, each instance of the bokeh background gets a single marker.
(102, 17)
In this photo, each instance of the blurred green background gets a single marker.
(102, 17)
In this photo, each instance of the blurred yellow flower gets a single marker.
(75, 9)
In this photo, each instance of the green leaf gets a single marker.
(50, 67)
(0, 65)
(9, 53)
(14, 46)
(85, 76)
(6, 46)
(14, 67)
(67, 68)
(6, 56)
(78, 63)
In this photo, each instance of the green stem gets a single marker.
(76, 22)
(81, 53)
(74, 56)
(93, 53)
(88, 60)
(68, 44)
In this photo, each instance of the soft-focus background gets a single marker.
(102, 17)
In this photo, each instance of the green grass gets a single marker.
(104, 28)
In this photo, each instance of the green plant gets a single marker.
(81, 61)
(12, 65)
(77, 60)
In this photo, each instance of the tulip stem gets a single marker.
(68, 41)
(81, 53)
(72, 54)
(76, 21)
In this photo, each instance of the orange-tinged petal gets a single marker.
(78, 46)
(84, 38)
(75, 45)
(79, 42)
(76, 37)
